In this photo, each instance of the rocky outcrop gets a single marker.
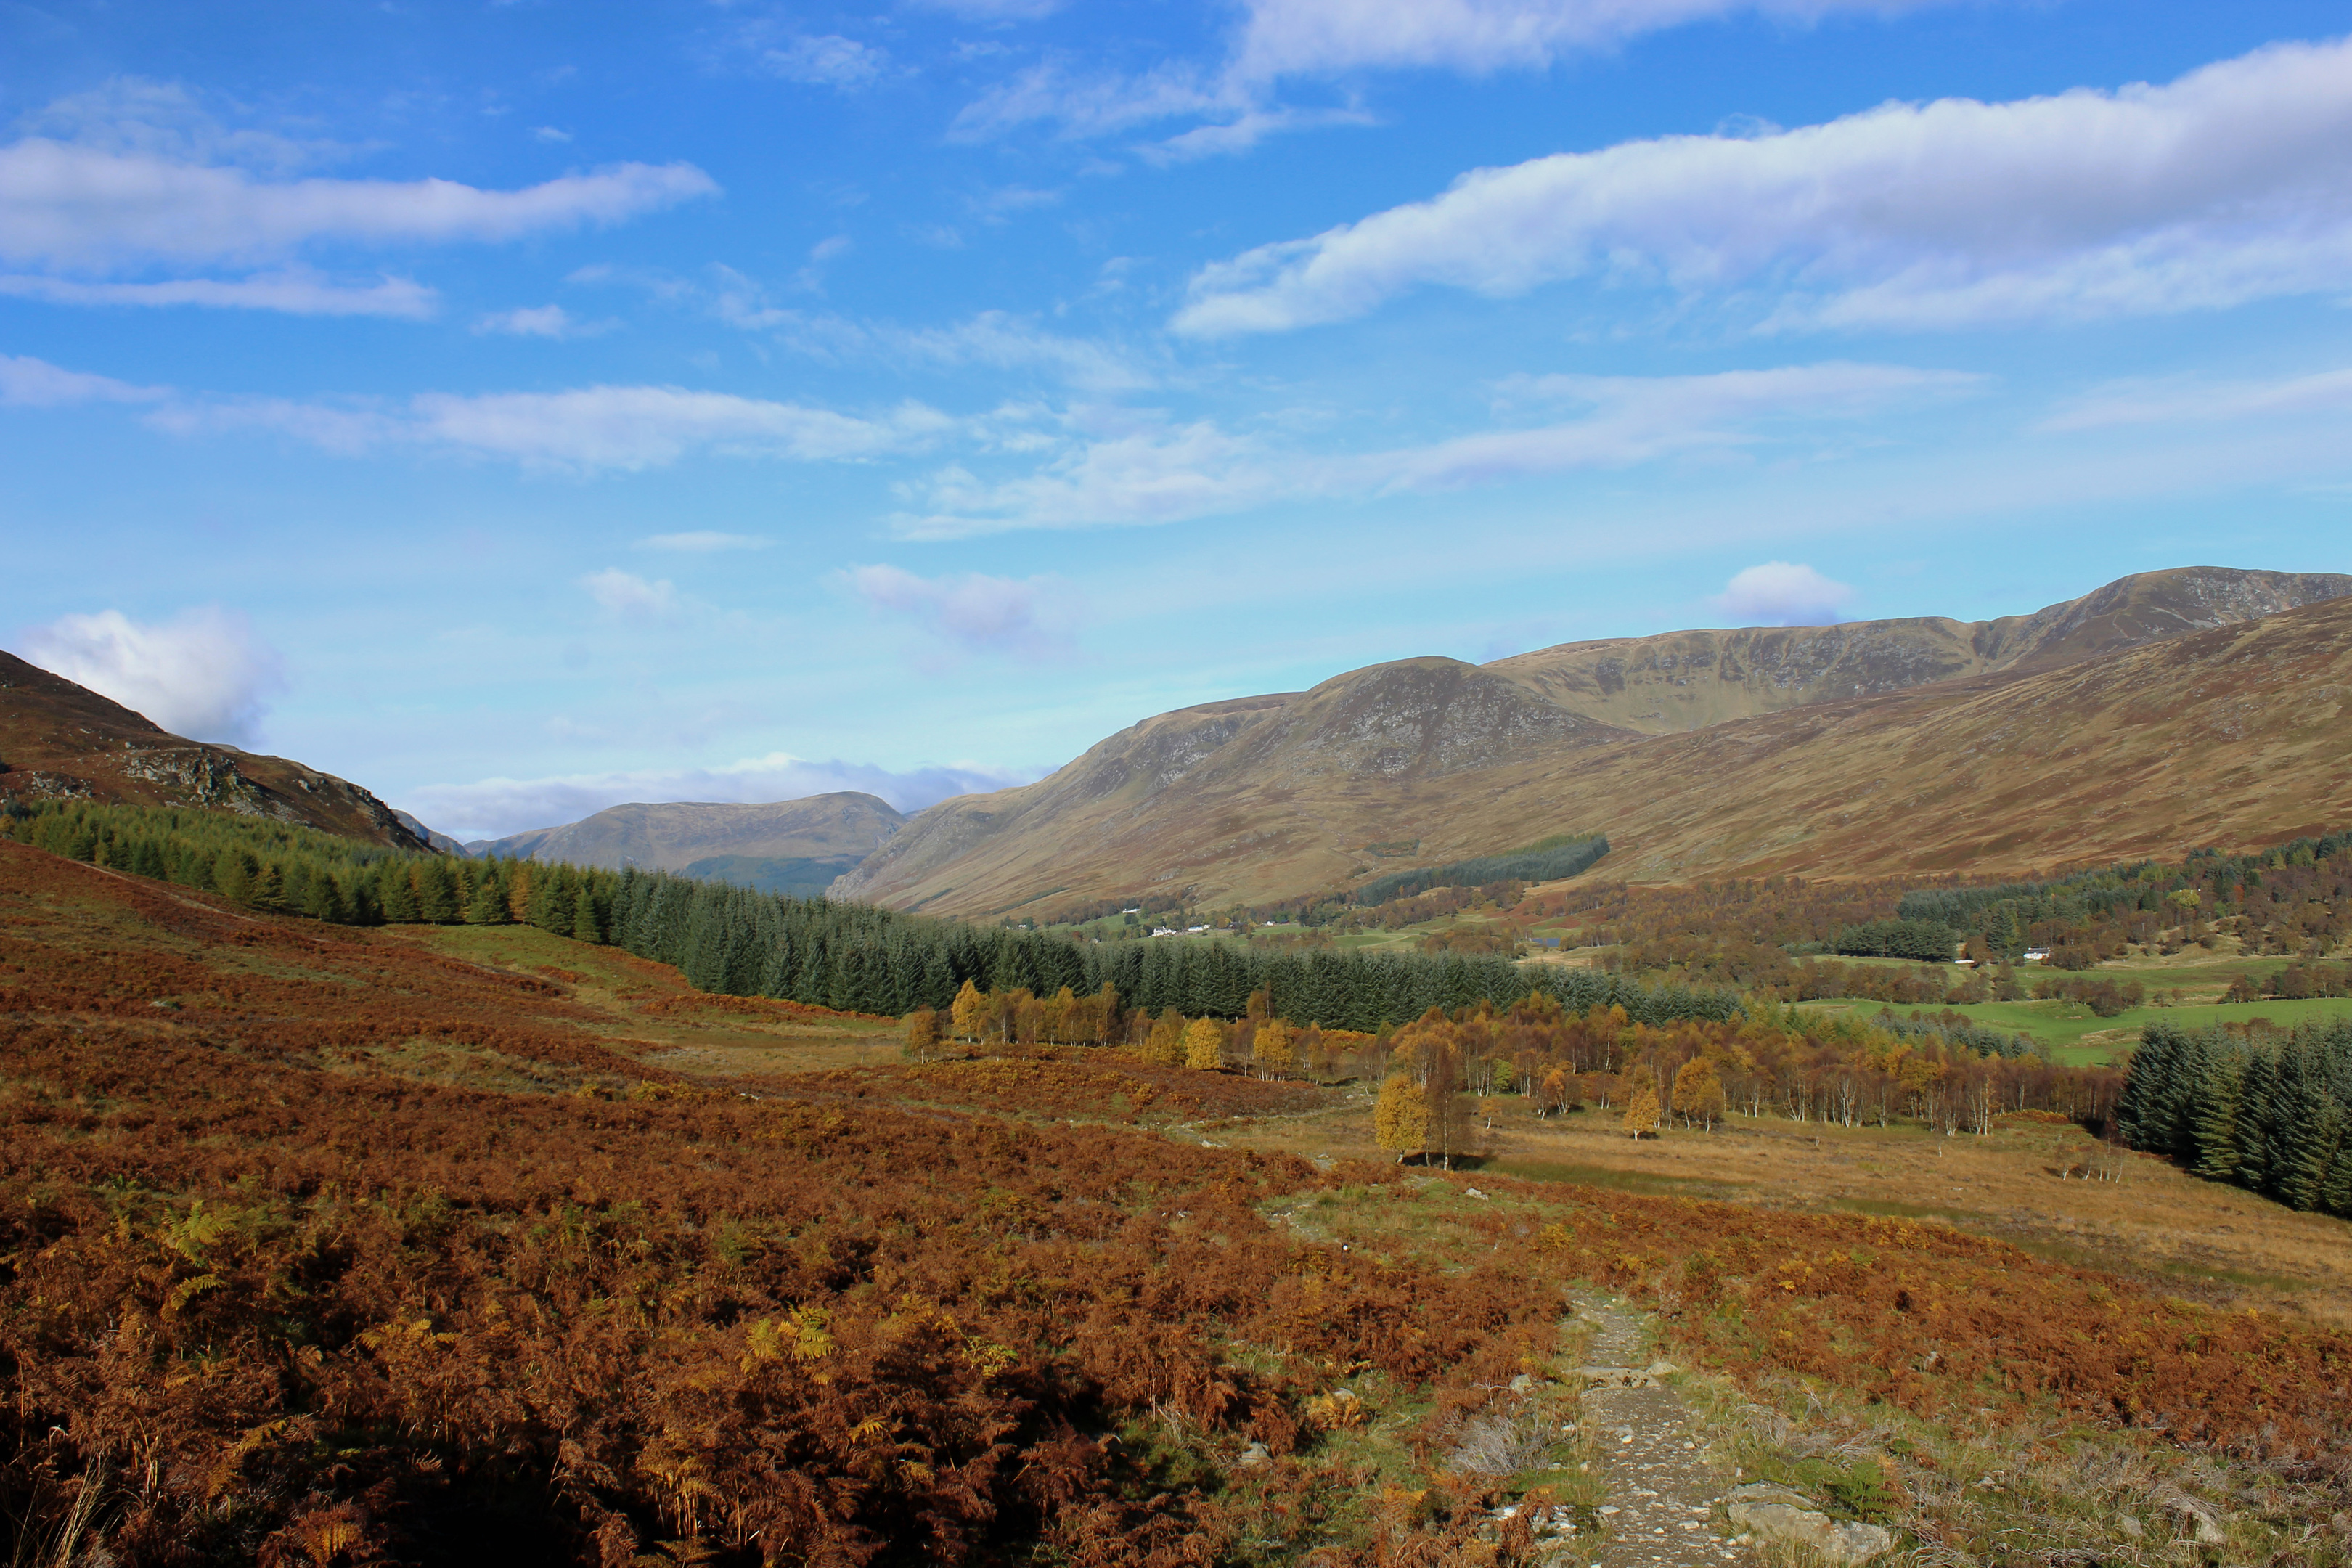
(1776, 1513)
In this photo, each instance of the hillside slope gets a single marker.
(1685, 680)
(793, 846)
(2159, 742)
(60, 739)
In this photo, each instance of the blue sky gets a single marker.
(522, 408)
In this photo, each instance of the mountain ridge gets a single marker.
(1280, 796)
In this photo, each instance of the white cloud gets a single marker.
(626, 594)
(1028, 618)
(541, 321)
(494, 807)
(2227, 185)
(295, 292)
(204, 674)
(830, 60)
(703, 542)
(584, 430)
(1634, 420)
(1782, 593)
(550, 133)
(1283, 37)
(993, 338)
(28, 383)
(1087, 104)
(1139, 471)
(165, 119)
(2196, 402)
(76, 207)
(1246, 130)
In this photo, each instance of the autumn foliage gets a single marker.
(273, 1291)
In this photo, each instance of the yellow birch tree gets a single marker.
(1400, 1119)
(1205, 1045)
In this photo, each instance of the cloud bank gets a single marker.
(1783, 593)
(2227, 185)
(204, 674)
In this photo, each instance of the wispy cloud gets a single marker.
(138, 178)
(1029, 618)
(553, 321)
(1323, 38)
(2223, 186)
(585, 430)
(28, 383)
(74, 206)
(205, 674)
(824, 60)
(2199, 401)
(1236, 97)
(494, 807)
(1129, 469)
(293, 291)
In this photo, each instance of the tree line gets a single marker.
(2280, 898)
(2265, 1110)
(1563, 855)
(852, 957)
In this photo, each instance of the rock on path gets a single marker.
(1662, 1492)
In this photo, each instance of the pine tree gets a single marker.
(1400, 1118)
(437, 892)
(488, 905)
(1205, 1045)
(399, 895)
(585, 927)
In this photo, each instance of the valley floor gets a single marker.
(531, 1187)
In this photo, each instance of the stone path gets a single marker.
(1662, 1493)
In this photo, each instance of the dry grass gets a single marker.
(2136, 1217)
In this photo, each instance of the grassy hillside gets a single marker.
(59, 740)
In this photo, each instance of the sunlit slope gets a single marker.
(60, 739)
(2234, 735)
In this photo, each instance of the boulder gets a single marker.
(1617, 1376)
(1776, 1513)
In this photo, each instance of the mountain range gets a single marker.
(2164, 710)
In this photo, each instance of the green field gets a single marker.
(2079, 1038)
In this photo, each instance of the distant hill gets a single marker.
(441, 841)
(1866, 747)
(792, 846)
(58, 738)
